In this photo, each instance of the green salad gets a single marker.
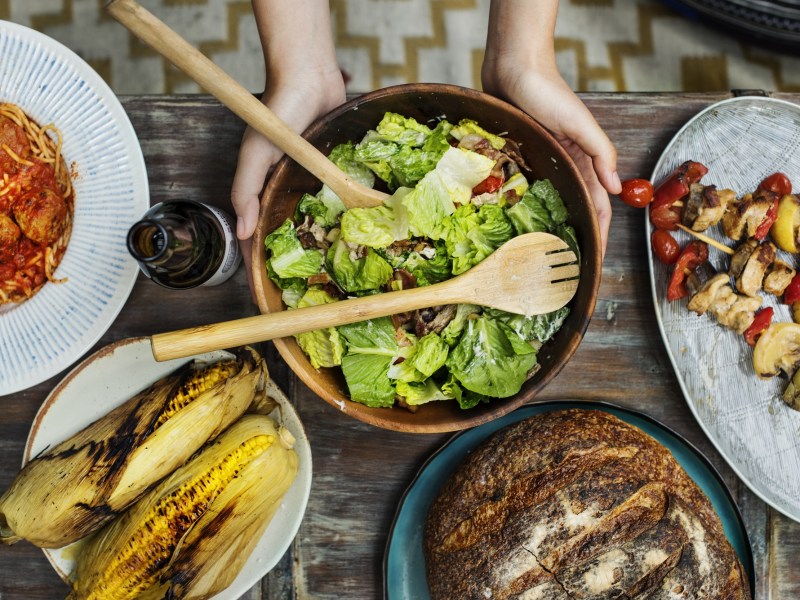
(458, 193)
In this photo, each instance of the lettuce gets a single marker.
(466, 126)
(324, 208)
(416, 393)
(471, 234)
(428, 271)
(450, 183)
(354, 274)
(540, 209)
(324, 347)
(286, 255)
(371, 349)
(431, 354)
(379, 226)
(402, 130)
(487, 361)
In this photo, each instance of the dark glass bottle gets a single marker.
(183, 244)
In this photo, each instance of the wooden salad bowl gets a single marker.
(426, 103)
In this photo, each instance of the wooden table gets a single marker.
(190, 145)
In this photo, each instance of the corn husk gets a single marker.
(85, 481)
(201, 558)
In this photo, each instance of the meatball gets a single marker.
(14, 137)
(40, 215)
(9, 237)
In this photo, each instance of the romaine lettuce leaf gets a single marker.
(324, 347)
(367, 379)
(450, 183)
(485, 360)
(452, 332)
(402, 130)
(471, 234)
(324, 208)
(431, 354)
(466, 126)
(428, 271)
(379, 226)
(354, 273)
(371, 348)
(286, 255)
(416, 393)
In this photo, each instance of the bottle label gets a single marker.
(232, 257)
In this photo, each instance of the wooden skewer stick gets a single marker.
(708, 240)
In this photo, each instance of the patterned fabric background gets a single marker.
(603, 45)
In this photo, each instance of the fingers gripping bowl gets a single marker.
(428, 104)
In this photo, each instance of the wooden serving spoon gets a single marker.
(227, 90)
(531, 274)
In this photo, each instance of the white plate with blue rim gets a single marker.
(116, 372)
(50, 331)
(741, 141)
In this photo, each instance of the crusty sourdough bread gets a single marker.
(576, 504)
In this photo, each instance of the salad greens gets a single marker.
(457, 196)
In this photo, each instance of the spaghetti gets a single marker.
(36, 204)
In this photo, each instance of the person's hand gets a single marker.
(543, 94)
(298, 101)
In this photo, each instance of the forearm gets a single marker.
(296, 37)
(522, 32)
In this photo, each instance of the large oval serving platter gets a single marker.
(404, 562)
(741, 141)
(47, 333)
(115, 373)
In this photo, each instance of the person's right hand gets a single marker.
(298, 100)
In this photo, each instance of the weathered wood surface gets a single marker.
(190, 146)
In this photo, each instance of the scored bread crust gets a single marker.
(576, 504)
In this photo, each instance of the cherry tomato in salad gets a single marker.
(488, 185)
(760, 323)
(778, 183)
(636, 192)
(665, 246)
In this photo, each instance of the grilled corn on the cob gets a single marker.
(85, 481)
(191, 534)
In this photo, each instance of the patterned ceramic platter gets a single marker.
(44, 335)
(115, 373)
(404, 563)
(741, 141)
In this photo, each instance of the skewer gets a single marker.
(708, 240)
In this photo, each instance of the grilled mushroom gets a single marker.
(777, 350)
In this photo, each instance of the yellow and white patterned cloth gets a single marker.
(602, 45)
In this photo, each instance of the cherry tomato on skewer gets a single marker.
(778, 183)
(636, 192)
(665, 246)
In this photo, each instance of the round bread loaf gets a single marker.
(576, 504)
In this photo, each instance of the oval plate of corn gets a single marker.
(251, 496)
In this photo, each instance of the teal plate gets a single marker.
(404, 563)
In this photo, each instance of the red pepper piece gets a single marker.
(769, 219)
(672, 189)
(488, 185)
(692, 255)
(792, 292)
(760, 323)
